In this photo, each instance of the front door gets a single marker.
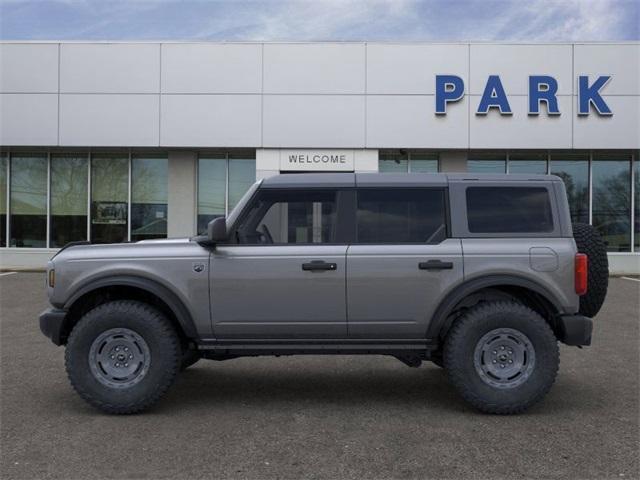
(401, 262)
(283, 275)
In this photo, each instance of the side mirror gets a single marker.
(217, 230)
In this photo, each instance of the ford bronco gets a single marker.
(482, 275)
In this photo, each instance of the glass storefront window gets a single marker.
(242, 174)
(109, 195)
(222, 181)
(528, 162)
(487, 162)
(212, 178)
(573, 169)
(149, 196)
(611, 183)
(423, 163)
(393, 162)
(68, 208)
(4, 162)
(28, 207)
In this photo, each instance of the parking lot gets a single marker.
(319, 417)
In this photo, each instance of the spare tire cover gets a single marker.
(589, 242)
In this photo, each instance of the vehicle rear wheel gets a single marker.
(502, 357)
(590, 242)
(122, 356)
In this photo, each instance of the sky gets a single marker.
(321, 20)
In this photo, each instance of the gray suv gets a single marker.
(482, 275)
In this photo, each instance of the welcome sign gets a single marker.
(317, 160)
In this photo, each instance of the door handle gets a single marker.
(318, 266)
(435, 265)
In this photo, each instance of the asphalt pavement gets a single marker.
(327, 417)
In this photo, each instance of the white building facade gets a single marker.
(112, 142)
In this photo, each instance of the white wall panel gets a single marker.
(620, 61)
(211, 68)
(314, 68)
(28, 68)
(412, 69)
(621, 130)
(521, 130)
(109, 120)
(313, 121)
(28, 119)
(514, 64)
(210, 120)
(401, 121)
(109, 68)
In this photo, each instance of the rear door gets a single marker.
(401, 262)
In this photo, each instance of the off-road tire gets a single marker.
(156, 331)
(468, 331)
(590, 242)
(189, 357)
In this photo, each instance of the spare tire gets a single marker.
(589, 242)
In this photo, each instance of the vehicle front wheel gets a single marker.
(122, 356)
(502, 357)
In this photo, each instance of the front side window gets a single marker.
(28, 201)
(282, 217)
(509, 210)
(401, 216)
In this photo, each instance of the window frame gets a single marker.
(345, 208)
(447, 214)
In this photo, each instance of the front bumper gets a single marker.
(575, 330)
(52, 324)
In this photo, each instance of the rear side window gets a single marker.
(509, 210)
(401, 216)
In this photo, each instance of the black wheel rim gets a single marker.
(119, 358)
(504, 358)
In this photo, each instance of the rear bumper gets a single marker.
(575, 330)
(52, 324)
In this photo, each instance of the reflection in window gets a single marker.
(28, 201)
(401, 216)
(528, 162)
(68, 199)
(573, 169)
(109, 192)
(149, 194)
(242, 174)
(285, 217)
(636, 216)
(394, 161)
(222, 181)
(611, 185)
(4, 161)
(487, 162)
(212, 179)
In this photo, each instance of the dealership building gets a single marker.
(113, 142)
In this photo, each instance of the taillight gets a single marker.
(582, 262)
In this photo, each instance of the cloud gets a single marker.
(330, 20)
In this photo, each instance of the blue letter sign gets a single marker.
(590, 95)
(494, 97)
(537, 94)
(449, 88)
